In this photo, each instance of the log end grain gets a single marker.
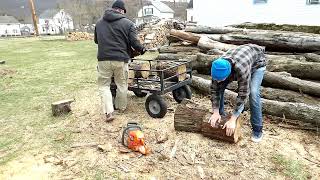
(61, 107)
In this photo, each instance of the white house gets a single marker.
(54, 21)
(190, 15)
(222, 12)
(9, 26)
(156, 9)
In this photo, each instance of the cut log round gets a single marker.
(275, 80)
(141, 69)
(179, 71)
(295, 111)
(61, 107)
(192, 117)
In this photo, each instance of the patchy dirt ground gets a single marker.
(283, 154)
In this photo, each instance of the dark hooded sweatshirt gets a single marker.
(115, 35)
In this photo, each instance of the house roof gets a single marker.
(162, 7)
(49, 13)
(190, 4)
(8, 20)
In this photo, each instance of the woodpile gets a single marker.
(154, 35)
(79, 36)
(291, 85)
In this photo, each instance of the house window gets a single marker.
(260, 1)
(312, 2)
(148, 11)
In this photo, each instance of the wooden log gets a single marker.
(273, 40)
(212, 30)
(192, 117)
(185, 36)
(303, 70)
(311, 57)
(206, 43)
(61, 107)
(295, 111)
(288, 96)
(136, 67)
(275, 94)
(179, 71)
(179, 49)
(171, 56)
(272, 79)
(219, 133)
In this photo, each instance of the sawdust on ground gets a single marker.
(196, 157)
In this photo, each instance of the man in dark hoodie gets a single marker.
(115, 36)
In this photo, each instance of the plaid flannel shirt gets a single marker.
(245, 59)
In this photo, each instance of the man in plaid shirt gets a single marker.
(245, 64)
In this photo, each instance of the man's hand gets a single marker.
(230, 126)
(215, 117)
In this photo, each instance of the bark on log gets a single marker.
(170, 56)
(275, 94)
(273, 40)
(312, 57)
(191, 117)
(288, 96)
(206, 43)
(179, 49)
(272, 79)
(303, 70)
(294, 111)
(185, 36)
(212, 30)
(61, 107)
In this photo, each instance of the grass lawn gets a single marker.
(37, 73)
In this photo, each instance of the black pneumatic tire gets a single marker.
(156, 106)
(181, 93)
(138, 93)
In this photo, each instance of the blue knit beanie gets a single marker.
(220, 69)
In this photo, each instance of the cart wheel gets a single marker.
(156, 106)
(138, 93)
(181, 93)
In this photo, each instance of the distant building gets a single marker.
(9, 26)
(190, 15)
(54, 21)
(154, 10)
(222, 13)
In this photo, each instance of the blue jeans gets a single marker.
(254, 100)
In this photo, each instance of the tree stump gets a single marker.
(61, 107)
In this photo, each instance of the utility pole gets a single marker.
(34, 17)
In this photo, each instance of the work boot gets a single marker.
(109, 118)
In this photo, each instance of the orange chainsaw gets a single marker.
(133, 138)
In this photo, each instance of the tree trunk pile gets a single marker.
(291, 85)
